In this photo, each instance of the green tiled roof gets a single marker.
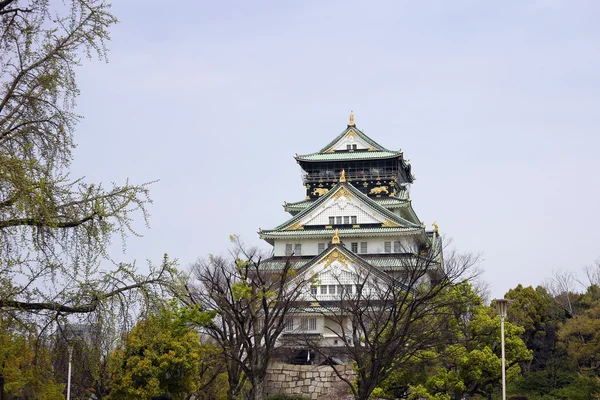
(400, 200)
(366, 199)
(350, 232)
(352, 256)
(383, 263)
(360, 133)
(357, 155)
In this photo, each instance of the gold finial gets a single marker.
(336, 237)
(436, 228)
(343, 176)
(351, 123)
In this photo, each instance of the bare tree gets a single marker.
(561, 288)
(384, 320)
(592, 273)
(251, 304)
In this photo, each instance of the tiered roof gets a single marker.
(399, 202)
(391, 224)
(374, 151)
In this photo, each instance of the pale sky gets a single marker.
(496, 104)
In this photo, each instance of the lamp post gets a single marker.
(69, 372)
(502, 307)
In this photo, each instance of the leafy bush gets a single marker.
(285, 397)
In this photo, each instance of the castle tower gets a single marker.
(357, 216)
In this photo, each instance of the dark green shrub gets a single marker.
(285, 397)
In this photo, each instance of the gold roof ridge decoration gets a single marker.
(336, 237)
(436, 228)
(343, 176)
(351, 122)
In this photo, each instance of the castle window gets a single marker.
(346, 220)
(397, 246)
(338, 220)
(324, 289)
(313, 290)
(308, 324)
(363, 247)
(348, 289)
(387, 247)
(348, 147)
(321, 247)
(353, 147)
(353, 219)
(354, 247)
(289, 326)
(298, 249)
(288, 249)
(331, 289)
(331, 220)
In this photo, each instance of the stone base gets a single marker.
(310, 381)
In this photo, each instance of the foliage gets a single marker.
(28, 373)
(580, 338)
(540, 316)
(563, 385)
(285, 397)
(467, 359)
(162, 354)
(55, 229)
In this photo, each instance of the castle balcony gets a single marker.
(332, 175)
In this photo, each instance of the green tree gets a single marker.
(162, 354)
(466, 360)
(53, 227)
(28, 373)
(540, 316)
(580, 338)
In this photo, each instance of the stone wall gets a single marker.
(310, 381)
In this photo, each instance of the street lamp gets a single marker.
(69, 373)
(502, 307)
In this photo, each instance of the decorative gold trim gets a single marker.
(336, 256)
(372, 149)
(319, 191)
(296, 226)
(336, 237)
(351, 122)
(328, 227)
(379, 190)
(356, 226)
(343, 176)
(388, 224)
(342, 192)
(436, 228)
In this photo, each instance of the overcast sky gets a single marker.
(496, 104)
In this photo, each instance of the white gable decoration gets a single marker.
(343, 204)
(350, 138)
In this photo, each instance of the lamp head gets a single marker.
(502, 306)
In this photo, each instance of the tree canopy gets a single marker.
(55, 228)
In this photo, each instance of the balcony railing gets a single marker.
(333, 175)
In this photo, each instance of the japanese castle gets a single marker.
(357, 216)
